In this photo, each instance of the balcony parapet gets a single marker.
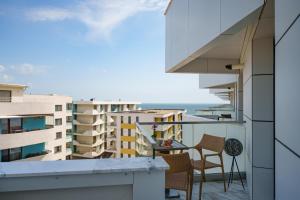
(21, 139)
(126, 178)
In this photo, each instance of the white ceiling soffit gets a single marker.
(217, 80)
(225, 48)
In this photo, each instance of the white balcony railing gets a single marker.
(192, 132)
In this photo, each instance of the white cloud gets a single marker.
(28, 69)
(49, 14)
(2, 68)
(100, 17)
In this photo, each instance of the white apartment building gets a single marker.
(34, 127)
(90, 126)
(126, 140)
(257, 41)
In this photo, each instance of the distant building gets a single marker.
(90, 126)
(126, 141)
(34, 127)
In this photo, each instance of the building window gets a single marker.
(137, 119)
(69, 131)
(58, 135)
(5, 96)
(122, 119)
(57, 149)
(8, 155)
(129, 120)
(58, 122)
(69, 106)
(69, 119)
(4, 124)
(58, 108)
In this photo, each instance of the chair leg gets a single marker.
(191, 187)
(223, 176)
(200, 186)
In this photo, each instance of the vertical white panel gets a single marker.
(287, 174)
(233, 11)
(263, 188)
(247, 98)
(285, 13)
(204, 23)
(179, 30)
(263, 61)
(287, 88)
(263, 99)
(263, 144)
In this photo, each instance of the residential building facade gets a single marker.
(126, 141)
(33, 127)
(90, 126)
(259, 42)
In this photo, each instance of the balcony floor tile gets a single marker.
(215, 191)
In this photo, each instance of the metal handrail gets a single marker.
(192, 122)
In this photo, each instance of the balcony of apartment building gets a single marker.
(111, 121)
(88, 141)
(89, 110)
(111, 135)
(87, 131)
(18, 131)
(111, 146)
(87, 120)
(87, 151)
(34, 152)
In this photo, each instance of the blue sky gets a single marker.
(108, 49)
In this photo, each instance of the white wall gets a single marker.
(287, 98)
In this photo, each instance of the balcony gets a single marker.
(88, 154)
(88, 123)
(89, 112)
(69, 138)
(25, 108)
(68, 151)
(89, 133)
(111, 136)
(44, 155)
(87, 143)
(25, 138)
(192, 132)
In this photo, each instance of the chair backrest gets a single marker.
(178, 162)
(212, 143)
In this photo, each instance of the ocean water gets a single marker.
(190, 108)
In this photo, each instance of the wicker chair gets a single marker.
(180, 174)
(211, 143)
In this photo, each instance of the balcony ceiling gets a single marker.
(209, 35)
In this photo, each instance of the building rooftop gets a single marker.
(93, 102)
(151, 111)
(7, 85)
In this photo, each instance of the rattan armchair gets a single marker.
(216, 145)
(180, 174)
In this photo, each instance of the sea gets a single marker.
(191, 109)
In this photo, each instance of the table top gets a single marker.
(175, 146)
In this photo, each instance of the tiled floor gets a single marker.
(215, 191)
